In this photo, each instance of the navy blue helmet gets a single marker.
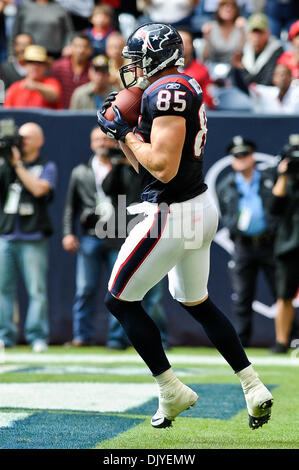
(153, 47)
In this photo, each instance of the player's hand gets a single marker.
(116, 129)
(107, 103)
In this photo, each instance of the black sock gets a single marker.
(141, 331)
(221, 333)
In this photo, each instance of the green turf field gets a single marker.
(89, 398)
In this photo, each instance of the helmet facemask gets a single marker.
(128, 72)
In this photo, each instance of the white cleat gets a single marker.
(259, 403)
(172, 403)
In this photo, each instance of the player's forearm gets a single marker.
(151, 160)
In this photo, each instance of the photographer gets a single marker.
(85, 201)
(27, 183)
(286, 249)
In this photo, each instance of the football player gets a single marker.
(166, 149)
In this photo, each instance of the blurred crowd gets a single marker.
(65, 54)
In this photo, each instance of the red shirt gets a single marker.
(288, 59)
(17, 96)
(200, 72)
(62, 70)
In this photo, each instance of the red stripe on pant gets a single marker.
(134, 251)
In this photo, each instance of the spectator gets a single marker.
(101, 19)
(123, 181)
(281, 14)
(14, 68)
(244, 198)
(260, 53)
(194, 68)
(36, 90)
(47, 22)
(206, 9)
(157, 11)
(290, 58)
(114, 46)
(72, 71)
(286, 248)
(85, 193)
(27, 186)
(281, 98)
(224, 35)
(92, 94)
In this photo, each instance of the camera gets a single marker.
(291, 151)
(9, 137)
(89, 218)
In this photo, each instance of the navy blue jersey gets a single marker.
(177, 95)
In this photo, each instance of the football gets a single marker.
(128, 102)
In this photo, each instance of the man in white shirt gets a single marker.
(282, 97)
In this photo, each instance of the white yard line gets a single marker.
(4, 369)
(100, 397)
(63, 370)
(8, 419)
(175, 359)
